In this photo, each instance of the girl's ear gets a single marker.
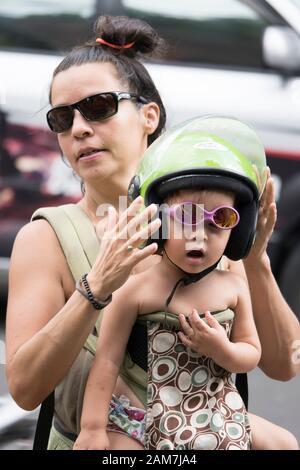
(151, 115)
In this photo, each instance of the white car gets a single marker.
(236, 57)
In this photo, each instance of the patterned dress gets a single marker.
(192, 402)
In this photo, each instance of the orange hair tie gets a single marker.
(115, 46)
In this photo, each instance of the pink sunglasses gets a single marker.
(191, 214)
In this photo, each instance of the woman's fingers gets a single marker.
(107, 224)
(270, 190)
(267, 216)
(138, 222)
(264, 194)
(144, 233)
(139, 255)
(132, 211)
(271, 220)
(119, 252)
(114, 223)
(112, 220)
(132, 233)
(268, 197)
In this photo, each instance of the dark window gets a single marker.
(51, 25)
(219, 32)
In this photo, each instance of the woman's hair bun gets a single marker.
(122, 30)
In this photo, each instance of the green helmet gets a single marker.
(207, 152)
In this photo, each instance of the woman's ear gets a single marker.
(151, 114)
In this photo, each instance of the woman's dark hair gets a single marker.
(121, 30)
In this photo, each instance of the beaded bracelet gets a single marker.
(87, 293)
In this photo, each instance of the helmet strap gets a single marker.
(188, 278)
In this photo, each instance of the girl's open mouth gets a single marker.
(195, 254)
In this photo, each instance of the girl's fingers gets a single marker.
(212, 322)
(187, 342)
(196, 322)
(188, 331)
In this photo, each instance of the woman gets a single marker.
(48, 320)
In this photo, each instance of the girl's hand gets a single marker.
(266, 221)
(204, 338)
(95, 439)
(115, 261)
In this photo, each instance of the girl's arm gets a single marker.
(116, 325)
(277, 326)
(240, 353)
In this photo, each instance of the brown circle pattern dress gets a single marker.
(192, 402)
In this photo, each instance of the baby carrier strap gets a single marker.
(75, 233)
(80, 245)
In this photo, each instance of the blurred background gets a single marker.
(233, 57)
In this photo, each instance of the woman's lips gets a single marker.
(90, 155)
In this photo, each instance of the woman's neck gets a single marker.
(95, 201)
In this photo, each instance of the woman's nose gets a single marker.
(81, 127)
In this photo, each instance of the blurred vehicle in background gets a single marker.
(236, 57)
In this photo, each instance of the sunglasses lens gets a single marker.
(99, 106)
(225, 217)
(93, 108)
(60, 119)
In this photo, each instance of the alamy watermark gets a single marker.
(189, 226)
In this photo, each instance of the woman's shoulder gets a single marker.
(37, 240)
(36, 230)
(37, 248)
(43, 227)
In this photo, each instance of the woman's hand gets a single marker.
(119, 249)
(95, 439)
(203, 337)
(266, 221)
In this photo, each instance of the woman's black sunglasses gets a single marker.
(92, 108)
